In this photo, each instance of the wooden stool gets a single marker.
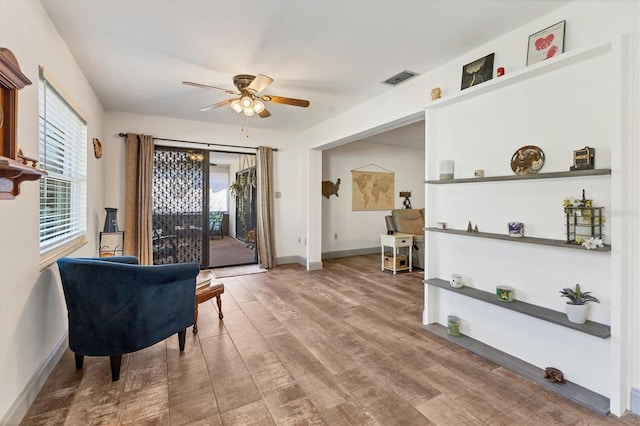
(205, 290)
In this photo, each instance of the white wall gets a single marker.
(285, 162)
(361, 229)
(32, 309)
(588, 23)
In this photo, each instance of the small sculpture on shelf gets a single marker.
(583, 159)
(554, 375)
(469, 227)
(406, 203)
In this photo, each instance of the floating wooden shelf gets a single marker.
(12, 174)
(553, 175)
(602, 331)
(526, 240)
(578, 394)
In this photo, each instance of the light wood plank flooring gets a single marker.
(342, 346)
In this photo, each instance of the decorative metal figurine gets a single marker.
(554, 375)
(583, 159)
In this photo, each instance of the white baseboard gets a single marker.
(21, 405)
(352, 252)
(314, 266)
(635, 401)
(286, 260)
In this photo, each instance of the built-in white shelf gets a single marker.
(578, 394)
(596, 329)
(553, 175)
(517, 85)
(526, 240)
(515, 77)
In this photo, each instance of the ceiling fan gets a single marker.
(249, 101)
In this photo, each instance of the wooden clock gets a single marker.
(13, 170)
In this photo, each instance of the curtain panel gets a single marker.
(138, 180)
(266, 243)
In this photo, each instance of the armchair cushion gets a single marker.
(409, 221)
(116, 306)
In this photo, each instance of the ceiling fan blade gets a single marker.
(219, 104)
(204, 86)
(264, 113)
(259, 83)
(286, 101)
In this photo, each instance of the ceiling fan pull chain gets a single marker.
(245, 125)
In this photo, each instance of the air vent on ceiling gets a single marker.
(399, 78)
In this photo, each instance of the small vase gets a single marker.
(111, 221)
(577, 313)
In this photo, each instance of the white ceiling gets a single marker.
(136, 53)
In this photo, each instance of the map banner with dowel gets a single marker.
(372, 190)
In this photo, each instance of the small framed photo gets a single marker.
(546, 44)
(477, 72)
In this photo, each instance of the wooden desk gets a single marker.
(206, 290)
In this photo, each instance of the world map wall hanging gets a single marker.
(372, 190)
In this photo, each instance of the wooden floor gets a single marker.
(344, 345)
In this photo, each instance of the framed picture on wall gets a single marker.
(546, 43)
(477, 72)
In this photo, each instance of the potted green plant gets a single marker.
(577, 307)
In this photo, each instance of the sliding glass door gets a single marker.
(233, 218)
(180, 206)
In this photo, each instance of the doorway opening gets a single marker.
(232, 210)
(203, 207)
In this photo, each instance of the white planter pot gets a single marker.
(577, 313)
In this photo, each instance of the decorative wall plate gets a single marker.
(97, 147)
(527, 160)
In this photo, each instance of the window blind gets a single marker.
(63, 155)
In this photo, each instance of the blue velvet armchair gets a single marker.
(117, 306)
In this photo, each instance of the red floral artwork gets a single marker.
(544, 42)
(552, 51)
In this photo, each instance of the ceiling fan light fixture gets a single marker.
(196, 156)
(246, 102)
(235, 105)
(258, 107)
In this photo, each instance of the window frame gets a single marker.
(74, 174)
